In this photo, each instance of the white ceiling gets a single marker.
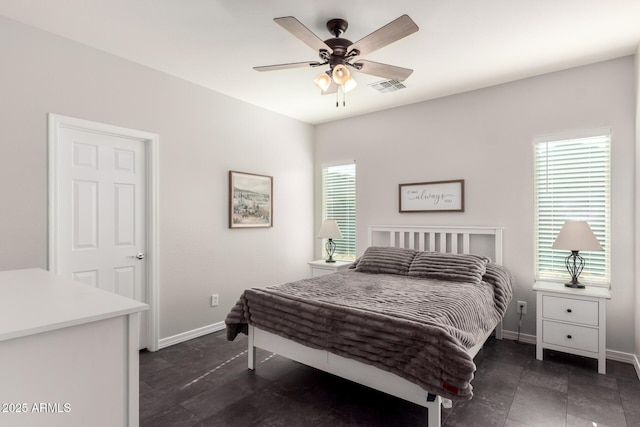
(461, 45)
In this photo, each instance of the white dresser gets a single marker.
(572, 320)
(68, 352)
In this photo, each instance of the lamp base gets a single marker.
(574, 264)
(574, 285)
(330, 247)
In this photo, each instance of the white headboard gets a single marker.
(455, 239)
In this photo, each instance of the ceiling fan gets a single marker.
(341, 54)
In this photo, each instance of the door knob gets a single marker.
(140, 256)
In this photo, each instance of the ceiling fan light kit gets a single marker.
(340, 53)
(323, 81)
(340, 74)
(349, 85)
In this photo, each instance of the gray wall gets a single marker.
(203, 135)
(485, 137)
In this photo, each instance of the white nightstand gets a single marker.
(572, 320)
(321, 267)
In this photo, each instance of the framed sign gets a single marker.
(437, 196)
(250, 200)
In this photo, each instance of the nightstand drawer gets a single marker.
(572, 336)
(570, 310)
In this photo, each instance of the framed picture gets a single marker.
(437, 196)
(250, 200)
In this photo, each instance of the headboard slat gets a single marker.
(465, 243)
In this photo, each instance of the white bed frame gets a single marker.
(423, 238)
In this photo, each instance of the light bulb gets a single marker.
(340, 74)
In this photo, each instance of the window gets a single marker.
(339, 203)
(572, 182)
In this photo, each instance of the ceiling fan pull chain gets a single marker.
(344, 97)
(337, 99)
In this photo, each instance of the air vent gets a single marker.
(387, 86)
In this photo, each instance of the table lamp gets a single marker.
(576, 236)
(330, 230)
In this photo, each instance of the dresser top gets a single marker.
(33, 301)
(323, 263)
(587, 291)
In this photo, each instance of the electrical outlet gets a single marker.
(214, 300)
(522, 307)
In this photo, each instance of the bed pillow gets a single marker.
(386, 260)
(450, 267)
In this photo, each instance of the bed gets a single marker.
(390, 322)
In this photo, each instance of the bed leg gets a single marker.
(251, 350)
(434, 410)
(499, 331)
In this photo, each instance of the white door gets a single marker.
(101, 212)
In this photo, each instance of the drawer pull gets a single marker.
(569, 336)
(568, 310)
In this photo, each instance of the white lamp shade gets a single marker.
(323, 81)
(340, 74)
(329, 230)
(576, 236)
(350, 84)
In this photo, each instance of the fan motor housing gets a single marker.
(339, 46)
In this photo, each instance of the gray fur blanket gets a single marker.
(417, 328)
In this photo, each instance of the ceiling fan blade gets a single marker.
(296, 28)
(393, 31)
(286, 66)
(383, 70)
(333, 88)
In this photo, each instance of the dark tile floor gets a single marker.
(205, 382)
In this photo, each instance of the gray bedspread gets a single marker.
(416, 328)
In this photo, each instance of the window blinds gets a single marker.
(339, 203)
(572, 182)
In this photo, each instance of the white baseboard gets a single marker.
(186, 336)
(525, 338)
(625, 358)
(636, 364)
(618, 356)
